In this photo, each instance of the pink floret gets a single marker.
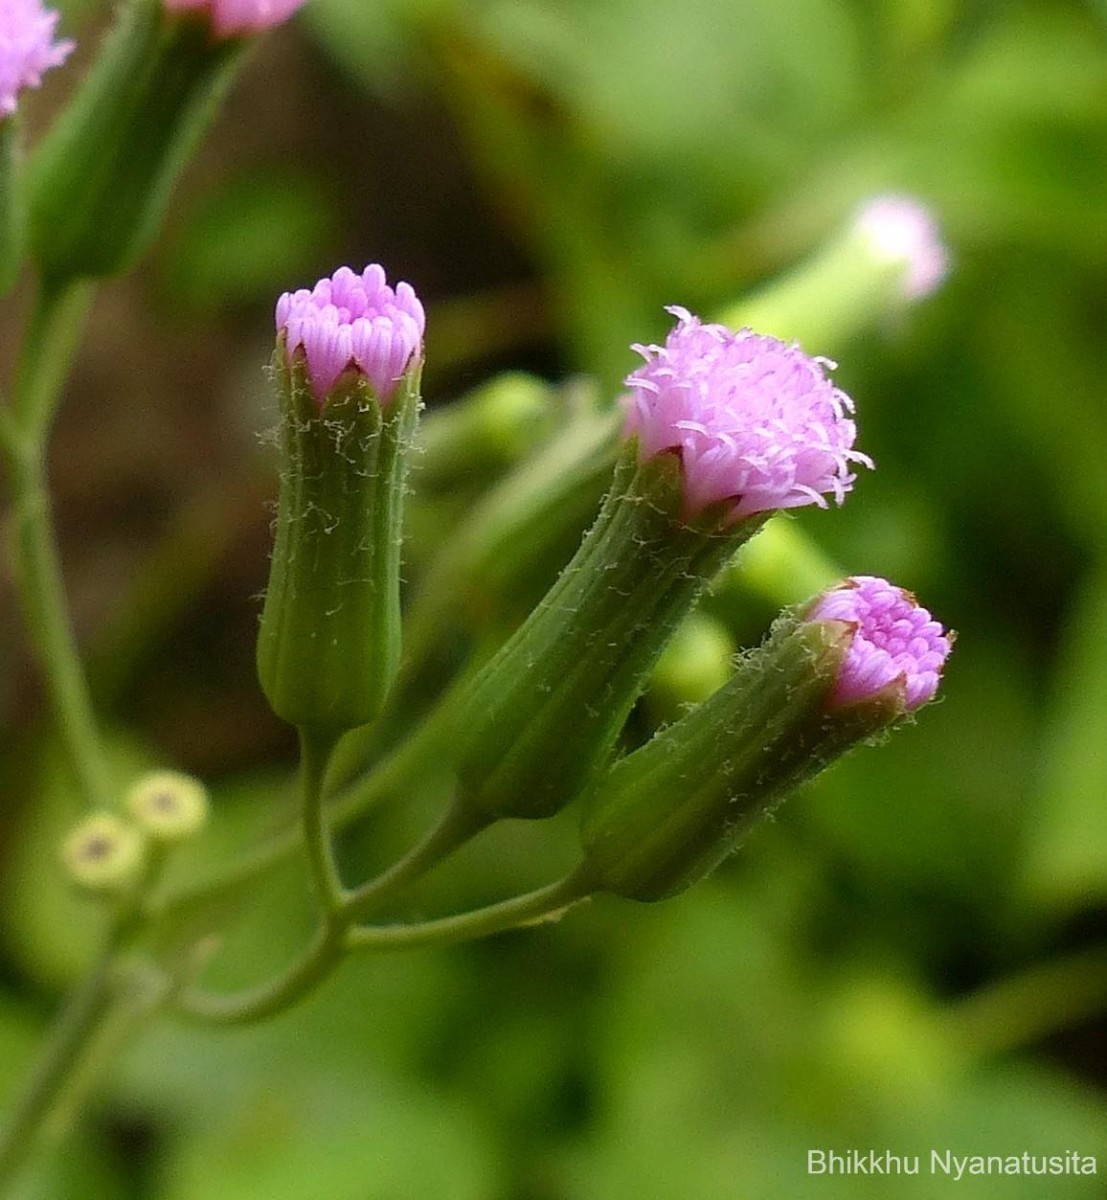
(27, 48)
(755, 421)
(895, 639)
(353, 322)
(234, 18)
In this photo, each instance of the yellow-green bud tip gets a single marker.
(168, 805)
(104, 852)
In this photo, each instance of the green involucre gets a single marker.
(101, 179)
(665, 816)
(329, 643)
(544, 714)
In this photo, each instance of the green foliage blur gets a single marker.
(913, 954)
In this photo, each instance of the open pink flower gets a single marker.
(754, 420)
(235, 18)
(353, 322)
(895, 639)
(27, 48)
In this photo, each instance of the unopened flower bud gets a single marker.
(722, 429)
(901, 231)
(889, 255)
(862, 658)
(169, 806)
(104, 853)
(896, 645)
(238, 18)
(27, 49)
(348, 363)
(103, 175)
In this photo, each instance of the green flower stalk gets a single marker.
(11, 206)
(861, 658)
(348, 364)
(102, 178)
(722, 429)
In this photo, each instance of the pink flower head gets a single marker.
(356, 323)
(900, 229)
(754, 420)
(235, 18)
(27, 48)
(895, 640)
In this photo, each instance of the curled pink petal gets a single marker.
(894, 639)
(353, 322)
(755, 421)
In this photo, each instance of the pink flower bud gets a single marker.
(235, 18)
(755, 421)
(895, 640)
(27, 48)
(900, 229)
(353, 323)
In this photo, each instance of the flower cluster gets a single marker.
(895, 640)
(755, 421)
(353, 322)
(27, 48)
(899, 229)
(233, 18)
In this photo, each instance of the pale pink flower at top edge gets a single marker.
(353, 322)
(27, 48)
(894, 639)
(901, 229)
(754, 420)
(233, 18)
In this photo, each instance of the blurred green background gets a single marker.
(913, 955)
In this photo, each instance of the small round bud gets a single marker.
(104, 852)
(168, 805)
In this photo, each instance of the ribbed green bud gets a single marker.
(666, 815)
(11, 206)
(543, 715)
(102, 178)
(329, 644)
